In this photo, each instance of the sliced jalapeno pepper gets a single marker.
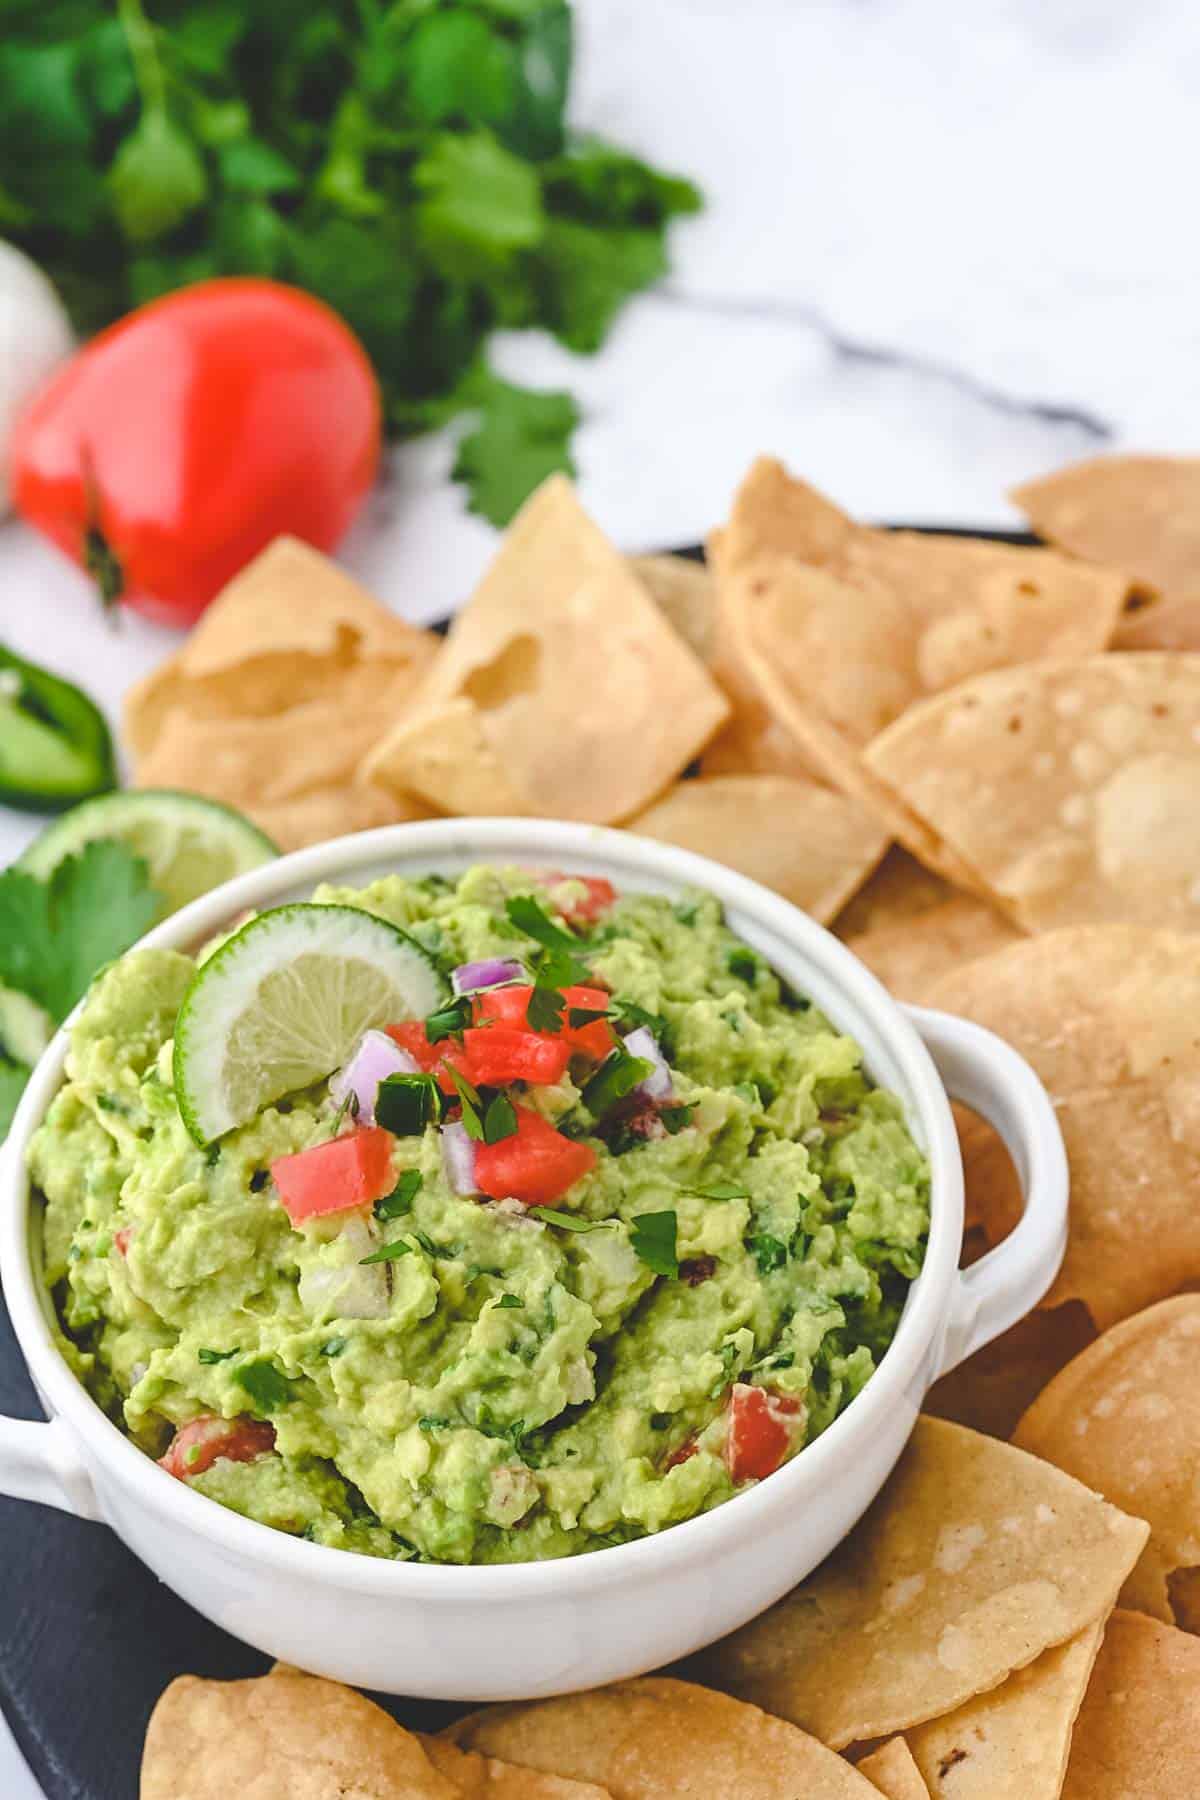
(55, 747)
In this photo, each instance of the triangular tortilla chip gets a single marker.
(910, 957)
(1125, 1418)
(442, 753)
(899, 889)
(1167, 625)
(973, 1561)
(810, 844)
(283, 632)
(585, 693)
(477, 1777)
(892, 1770)
(1069, 787)
(1107, 1017)
(283, 1735)
(1014, 1743)
(685, 594)
(1136, 1737)
(1138, 513)
(658, 1739)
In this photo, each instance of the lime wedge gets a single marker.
(190, 844)
(284, 1002)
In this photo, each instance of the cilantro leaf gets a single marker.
(531, 918)
(472, 1111)
(450, 1020)
(508, 1302)
(720, 1190)
(545, 1009)
(399, 1201)
(521, 436)
(266, 1386)
(56, 935)
(478, 204)
(768, 1252)
(566, 1221)
(653, 1238)
(500, 1120)
(389, 1252)
(616, 1077)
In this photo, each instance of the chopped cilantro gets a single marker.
(617, 1076)
(389, 1252)
(212, 1155)
(630, 1013)
(653, 1237)
(510, 1302)
(567, 1221)
(268, 1389)
(468, 1095)
(216, 1356)
(399, 1201)
(579, 1016)
(500, 1120)
(432, 1422)
(349, 1105)
(406, 1104)
(767, 1252)
(675, 1118)
(729, 1359)
(535, 922)
(437, 1252)
(720, 1190)
(742, 962)
(450, 1020)
(545, 1009)
(686, 912)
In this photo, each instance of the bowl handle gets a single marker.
(988, 1075)
(38, 1462)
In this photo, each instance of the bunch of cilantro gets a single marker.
(56, 935)
(405, 160)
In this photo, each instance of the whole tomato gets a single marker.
(182, 440)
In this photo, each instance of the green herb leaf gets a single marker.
(333, 1346)
(406, 1104)
(742, 962)
(545, 1009)
(720, 1190)
(450, 1020)
(767, 1252)
(675, 1118)
(500, 1120)
(653, 1237)
(630, 1013)
(579, 1016)
(266, 1386)
(535, 922)
(472, 1115)
(567, 1221)
(509, 1303)
(389, 1252)
(432, 1422)
(399, 1201)
(216, 1356)
(56, 935)
(617, 1076)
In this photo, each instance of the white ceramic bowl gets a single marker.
(530, 1629)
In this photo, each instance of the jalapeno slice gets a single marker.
(55, 748)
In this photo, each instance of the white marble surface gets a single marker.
(946, 248)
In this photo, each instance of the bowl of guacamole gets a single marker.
(599, 1226)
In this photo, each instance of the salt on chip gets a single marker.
(973, 1560)
(684, 593)
(1069, 787)
(892, 1770)
(1125, 1418)
(1136, 1737)
(1106, 1014)
(585, 694)
(910, 957)
(478, 1777)
(281, 1736)
(810, 844)
(656, 1739)
(1014, 1742)
(287, 630)
(991, 1390)
(1138, 513)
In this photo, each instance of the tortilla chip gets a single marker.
(909, 958)
(585, 694)
(1106, 1014)
(1014, 1743)
(477, 1777)
(657, 1739)
(280, 1737)
(1136, 1733)
(1139, 513)
(991, 1390)
(442, 753)
(1070, 787)
(974, 1560)
(285, 631)
(1167, 625)
(808, 843)
(684, 593)
(892, 1770)
(1125, 1418)
(900, 889)
(295, 775)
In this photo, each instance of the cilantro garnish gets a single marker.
(406, 1104)
(349, 1105)
(500, 1120)
(567, 1221)
(535, 922)
(768, 1252)
(720, 1190)
(579, 1016)
(743, 963)
(216, 1356)
(399, 1201)
(55, 935)
(653, 1238)
(729, 1360)
(630, 1013)
(472, 1107)
(545, 1009)
(450, 1020)
(268, 1389)
(389, 1252)
(617, 1076)
(675, 1118)
(432, 1422)
(509, 1302)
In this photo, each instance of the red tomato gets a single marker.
(347, 1171)
(497, 1054)
(200, 1443)
(762, 1427)
(511, 1006)
(410, 1035)
(589, 907)
(176, 445)
(122, 1239)
(537, 1165)
(685, 1453)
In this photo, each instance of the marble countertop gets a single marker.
(945, 249)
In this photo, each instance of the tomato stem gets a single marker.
(103, 567)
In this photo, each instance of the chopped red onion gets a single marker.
(493, 971)
(658, 1084)
(458, 1158)
(376, 1058)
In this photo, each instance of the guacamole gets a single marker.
(632, 1230)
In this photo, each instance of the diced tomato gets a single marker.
(497, 1054)
(354, 1170)
(431, 1057)
(683, 1454)
(536, 1165)
(200, 1443)
(510, 1006)
(588, 907)
(762, 1428)
(122, 1239)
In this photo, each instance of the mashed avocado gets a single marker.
(517, 1386)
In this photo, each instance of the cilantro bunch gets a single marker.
(405, 160)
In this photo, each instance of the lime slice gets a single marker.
(284, 1002)
(190, 844)
(25, 1027)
